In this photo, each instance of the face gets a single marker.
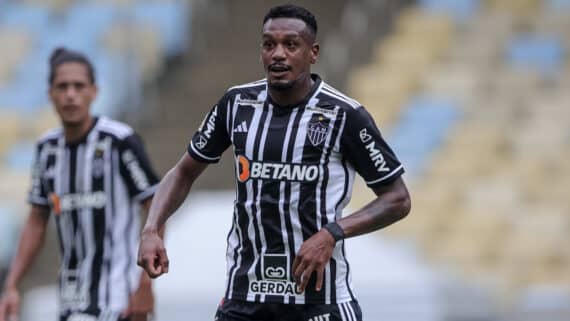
(72, 92)
(288, 50)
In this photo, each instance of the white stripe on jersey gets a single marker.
(387, 176)
(341, 96)
(230, 255)
(260, 185)
(284, 233)
(250, 144)
(250, 84)
(118, 129)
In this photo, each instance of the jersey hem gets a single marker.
(199, 156)
(348, 298)
(387, 179)
(146, 193)
(38, 201)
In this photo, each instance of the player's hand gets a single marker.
(313, 256)
(152, 254)
(10, 305)
(141, 303)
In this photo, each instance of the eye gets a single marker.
(267, 45)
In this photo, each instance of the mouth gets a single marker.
(278, 70)
(70, 107)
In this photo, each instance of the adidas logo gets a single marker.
(241, 128)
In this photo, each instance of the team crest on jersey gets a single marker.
(317, 132)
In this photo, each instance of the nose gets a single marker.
(278, 53)
(70, 93)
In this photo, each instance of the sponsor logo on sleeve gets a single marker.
(210, 123)
(377, 158)
(202, 142)
(364, 136)
(134, 168)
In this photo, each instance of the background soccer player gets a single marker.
(92, 175)
(297, 143)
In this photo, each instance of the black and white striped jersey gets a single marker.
(295, 167)
(94, 188)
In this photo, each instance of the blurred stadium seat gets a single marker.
(484, 134)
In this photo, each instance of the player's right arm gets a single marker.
(172, 191)
(31, 241)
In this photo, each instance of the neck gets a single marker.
(75, 132)
(294, 94)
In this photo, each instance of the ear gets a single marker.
(315, 48)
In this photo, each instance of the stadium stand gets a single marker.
(485, 136)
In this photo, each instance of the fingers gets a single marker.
(9, 309)
(152, 257)
(148, 265)
(9, 312)
(163, 260)
(320, 276)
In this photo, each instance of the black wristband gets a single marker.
(335, 230)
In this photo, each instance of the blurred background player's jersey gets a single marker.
(93, 188)
(295, 167)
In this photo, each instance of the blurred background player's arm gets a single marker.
(31, 241)
(172, 191)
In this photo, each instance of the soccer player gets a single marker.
(297, 143)
(93, 176)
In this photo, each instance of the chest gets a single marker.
(270, 134)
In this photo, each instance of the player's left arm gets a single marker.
(392, 203)
(362, 146)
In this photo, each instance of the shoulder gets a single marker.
(114, 128)
(248, 91)
(332, 96)
(50, 136)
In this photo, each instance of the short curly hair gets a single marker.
(293, 11)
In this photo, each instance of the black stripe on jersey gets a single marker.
(128, 252)
(308, 211)
(73, 260)
(287, 192)
(347, 272)
(324, 219)
(238, 248)
(109, 229)
(49, 187)
(97, 184)
(239, 139)
(241, 281)
(257, 191)
(271, 189)
(290, 150)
